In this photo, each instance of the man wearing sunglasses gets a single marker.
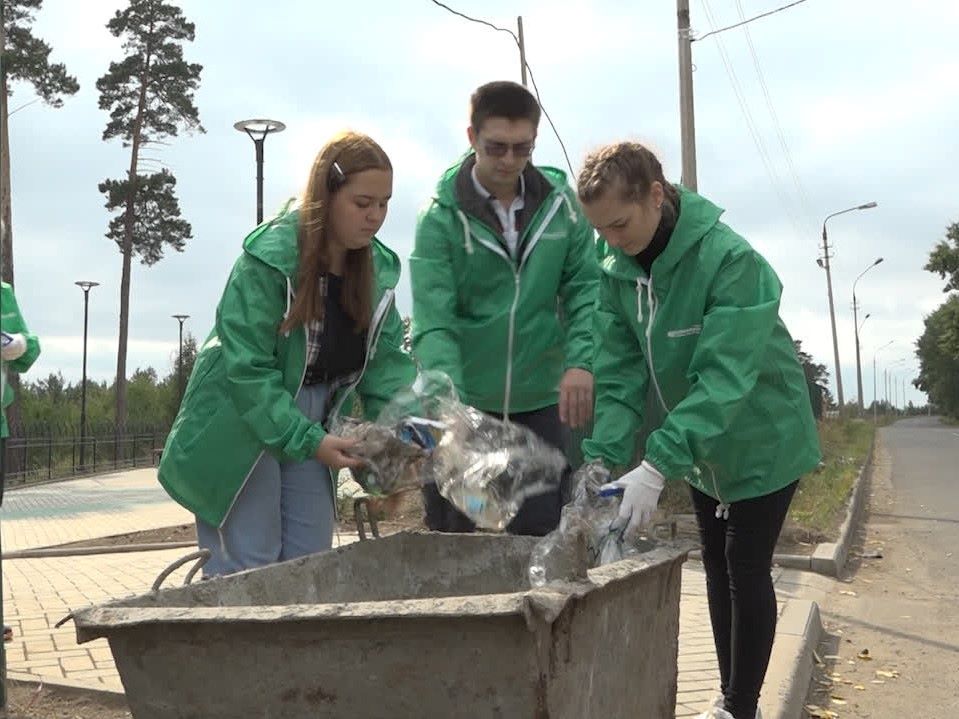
(504, 276)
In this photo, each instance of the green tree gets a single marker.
(156, 215)
(149, 94)
(189, 358)
(938, 347)
(944, 258)
(24, 58)
(938, 352)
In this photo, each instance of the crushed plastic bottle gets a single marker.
(588, 534)
(484, 466)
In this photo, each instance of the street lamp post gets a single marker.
(181, 319)
(258, 129)
(832, 312)
(855, 319)
(875, 397)
(86, 286)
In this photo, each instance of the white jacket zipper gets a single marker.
(722, 509)
(497, 249)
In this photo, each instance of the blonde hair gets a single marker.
(346, 154)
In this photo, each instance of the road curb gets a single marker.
(829, 558)
(791, 664)
(70, 687)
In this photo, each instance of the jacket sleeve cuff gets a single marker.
(314, 437)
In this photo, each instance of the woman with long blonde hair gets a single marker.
(307, 318)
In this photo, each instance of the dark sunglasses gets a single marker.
(499, 149)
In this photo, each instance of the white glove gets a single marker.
(15, 348)
(641, 489)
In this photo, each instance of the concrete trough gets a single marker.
(411, 625)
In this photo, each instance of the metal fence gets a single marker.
(44, 453)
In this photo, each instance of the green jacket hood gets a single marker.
(276, 243)
(697, 216)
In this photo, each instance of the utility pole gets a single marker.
(832, 317)
(855, 319)
(686, 115)
(522, 50)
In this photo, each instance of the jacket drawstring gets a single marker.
(222, 536)
(569, 206)
(639, 299)
(289, 302)
(467, 242)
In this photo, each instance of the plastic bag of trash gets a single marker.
(484, 466)
(587, 535)
(393, 460)
(487, 467)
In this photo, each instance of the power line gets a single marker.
(752, 127)
(803, 197)
(531, 77)
(477, 20)
(757, 17)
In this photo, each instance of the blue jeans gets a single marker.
(285, 510)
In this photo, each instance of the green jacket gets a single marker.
(503, 330)
(703, 334)
(11, 322)
(241, 397)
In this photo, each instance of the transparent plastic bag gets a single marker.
(392, 460)
(588, 535)
(485, 467)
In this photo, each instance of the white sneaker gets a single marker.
(716, 711)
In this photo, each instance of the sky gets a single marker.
(856, 105)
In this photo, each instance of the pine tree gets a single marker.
(24, 58)
(149, 94)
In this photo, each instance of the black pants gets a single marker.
(737, 557)
(538, 516)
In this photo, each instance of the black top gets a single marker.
(667, 223)
(342, 348)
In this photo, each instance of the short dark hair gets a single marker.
(503, 98)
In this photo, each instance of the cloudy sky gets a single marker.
(866, 105)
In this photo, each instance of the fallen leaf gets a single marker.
(864, 655)
(848, 593)
(838, 701)
(893, 674)
(859, 687)
(817, 712)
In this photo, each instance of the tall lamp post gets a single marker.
(824, 263)
(855, 319)
(86, 286)
(181, 319)
(258, 129)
